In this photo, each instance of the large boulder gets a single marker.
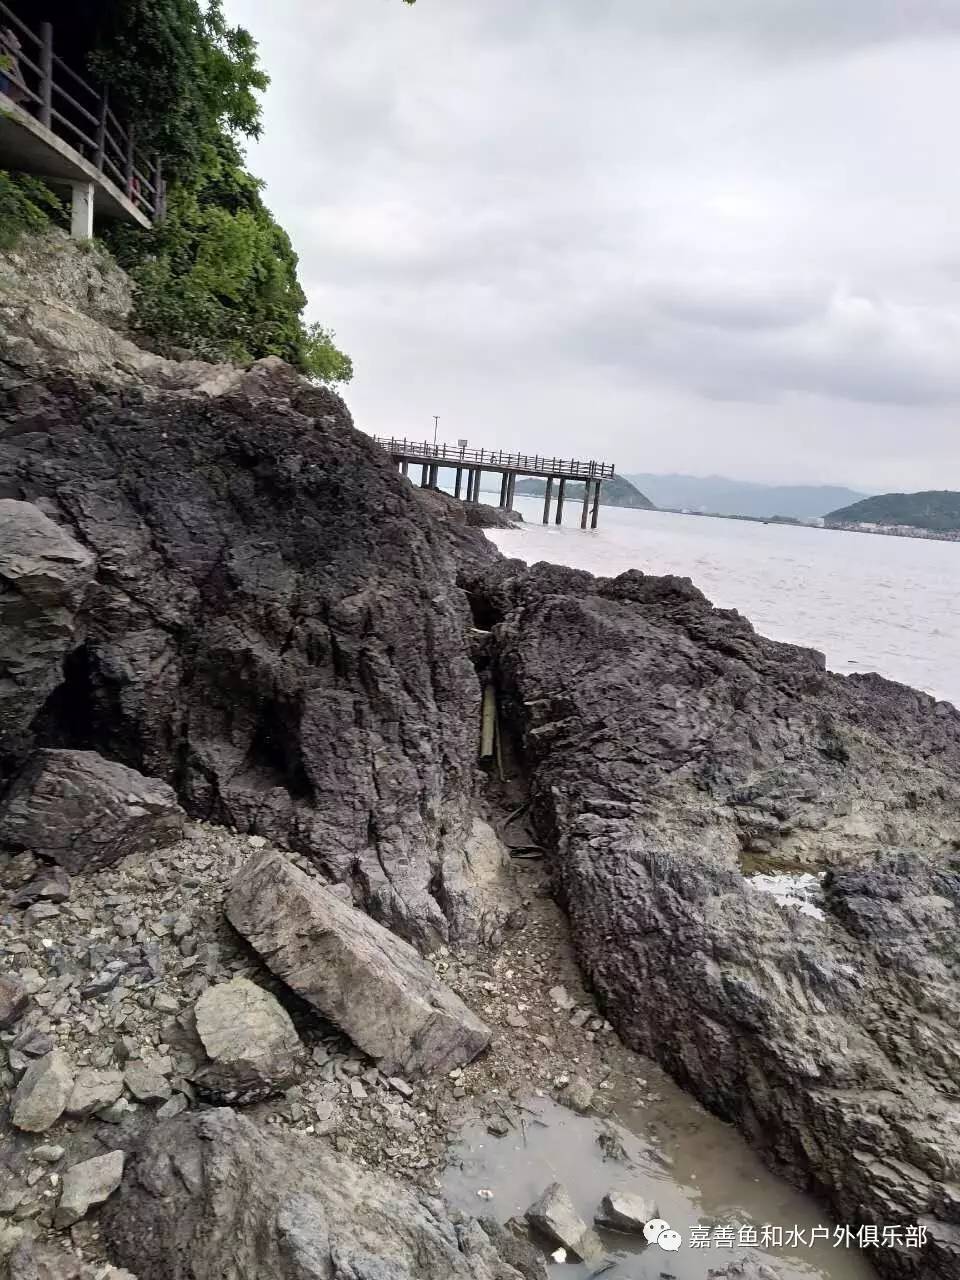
(672, 753)
(209, 1196)
(275, 628)
(44, 577)
(372, 984)
(86, 812)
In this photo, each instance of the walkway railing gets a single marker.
(80, 114)
(454, 455)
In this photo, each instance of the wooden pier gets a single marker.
(470, 464)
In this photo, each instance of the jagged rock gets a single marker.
(83, 811)
(748, 1269)
(41, 1096)
(625, 1211)
(93, 1090)
(253, 1046)
(51, 885)
(44, 576)
(276, 624)
(145, 1084)
(666, 744)
(14, 1000)
(371, 984)
(512, 1242)
(88, 1184)
(34, 1261)
(555, 1216)
(210, 1194)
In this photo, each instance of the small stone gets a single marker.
(164, 1003)
(357, 1090)
(49, 1154)
(562, 998)
(174, 1106)
(93, 1090)
(117, 1112)
(578, 1095)
(146, 1084)
(14, 1000)
(399, 1085)
(42, 1095)
(52, 885)
(87, 1184)
(625, 1211)
(498, 1127)
(579, 1018)
(516, 1020)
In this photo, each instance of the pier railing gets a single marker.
(532, 464)
(68, 106)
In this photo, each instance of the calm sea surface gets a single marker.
(869, 603)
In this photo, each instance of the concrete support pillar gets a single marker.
(477, 477)
(504, 489)
(546, 501)
(81, 215)
(511, 489)
(596, 504)
(459, 483)
(405, 468)
(424, 476)
(586, 504)
(561, 493)
(434, 475)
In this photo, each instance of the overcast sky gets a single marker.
(680, 235)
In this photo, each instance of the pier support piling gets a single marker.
(458, 484)
(424, 476)
(511, 487)
(561, 493)
(434, 475)
(546, 500)
(405, 468)
(504, 490)
(596, 504)
(585, 511)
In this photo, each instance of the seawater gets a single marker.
(868, 602)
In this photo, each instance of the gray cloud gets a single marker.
(705, 236)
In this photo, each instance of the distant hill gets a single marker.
(937, 509)
(722, 496)
(617, 491)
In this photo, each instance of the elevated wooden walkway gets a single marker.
(62, 129)
(472, 463)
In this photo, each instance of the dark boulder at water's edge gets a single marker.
(671, 749)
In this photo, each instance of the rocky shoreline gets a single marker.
(259, 912)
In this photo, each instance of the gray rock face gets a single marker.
(14, 1000)
(44, 576)
(249, 1038)
(555, 1216)
(670, 747)
(88, 1184)
(373, 985)
(210, 1195)
(83, 811)
(275, 627)
(34, 1261)
(41, 1096)
(145, 1084)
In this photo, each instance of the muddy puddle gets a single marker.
(697, 1171)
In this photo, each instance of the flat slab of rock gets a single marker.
(625, 1211)
(145, 1084)
(88, 1184)
(41, 1096)
(83, 811)
(555, 1216)
(211, 1195)
(252, 1045)
(93, 1090)
(372, 984)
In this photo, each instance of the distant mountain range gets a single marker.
(615, 492)
(935, 509)
(722, 496)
